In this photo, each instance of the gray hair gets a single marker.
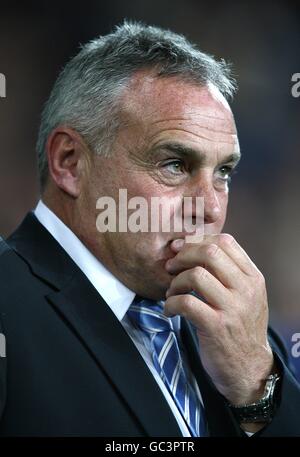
(86, 95)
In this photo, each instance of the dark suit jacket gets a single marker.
(71, 369)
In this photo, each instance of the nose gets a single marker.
(211, 210)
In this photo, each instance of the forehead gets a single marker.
(159, 110)
(161, 99)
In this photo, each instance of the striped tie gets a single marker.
(148, 316)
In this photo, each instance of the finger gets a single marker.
(204, 284)
(212, 258)
(178, 243)
(232, 248)
(191, 308)
(229, 245)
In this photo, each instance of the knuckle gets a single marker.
(261, 278)
(198, 273)
(212, 250)
(225, 239)
(258, 276)
(187, 304)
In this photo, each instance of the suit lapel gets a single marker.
(111, 347)
(79, 303)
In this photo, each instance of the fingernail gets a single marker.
(168, 265)
(177, 244)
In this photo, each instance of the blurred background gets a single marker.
(261, 39)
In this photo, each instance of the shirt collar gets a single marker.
(116, 294)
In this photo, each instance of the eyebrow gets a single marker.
(187, 152)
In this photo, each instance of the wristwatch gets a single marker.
(264, 409)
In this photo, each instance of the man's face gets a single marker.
(177, 140)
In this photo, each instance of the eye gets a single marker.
(174, 166)
(225, 173)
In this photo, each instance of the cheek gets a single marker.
(143, 186)
(224, 202)
(223, 210)
(149, 245)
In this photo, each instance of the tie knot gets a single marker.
(148, 315)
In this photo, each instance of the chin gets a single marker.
(161, 282)
(156, 294)
(152, 281)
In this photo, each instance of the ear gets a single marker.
(67, 159)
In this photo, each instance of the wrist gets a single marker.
(261, 411)
(252, 389)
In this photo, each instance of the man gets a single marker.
(143, 110)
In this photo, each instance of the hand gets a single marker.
(230, 313)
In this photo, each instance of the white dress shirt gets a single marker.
(117, 296)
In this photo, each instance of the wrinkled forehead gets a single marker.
(149, 98)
